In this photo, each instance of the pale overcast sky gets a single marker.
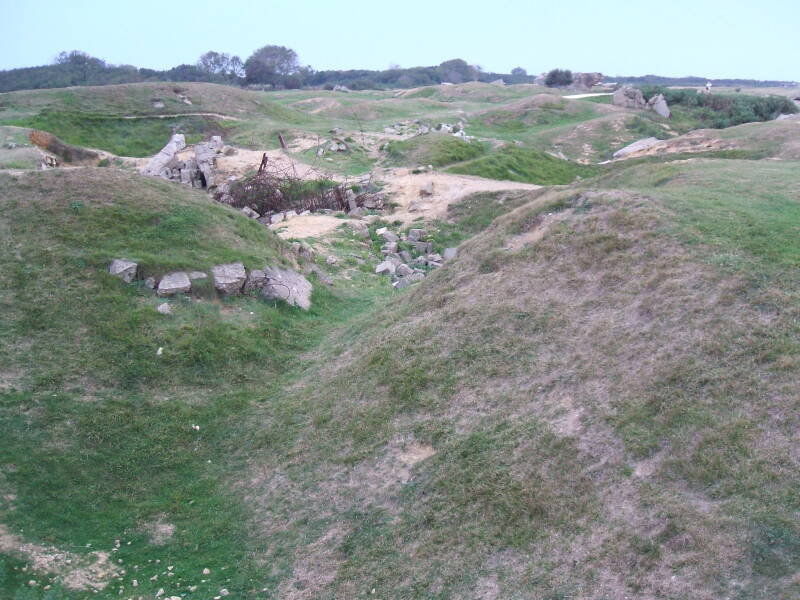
(710, 38)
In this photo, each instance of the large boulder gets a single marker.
(585, 81)
(659, 104)
(206, 155)
(629, 97)
(159, 164)
(229, 279)
(637, 146)
(287, 285)
(174, 283)
(124, 269)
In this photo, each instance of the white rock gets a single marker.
(385, 267)
(124, 269)
(229, 278)
(287, 285)
(164, 309)
(174, 283)
(158, 164)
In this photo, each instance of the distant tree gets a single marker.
(271, 64)
(558, 78)
(519, 72)
(457, 71)
(221, 65)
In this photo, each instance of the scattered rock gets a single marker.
(150, 283)
(249, 212)
(164, 309)
(174, 283)
(331, 260)
(385, 267)
(124, 269)
(416, 235)
(229, 278)
(287, 285)
(388, 235)
(197, 275)
(403, 270)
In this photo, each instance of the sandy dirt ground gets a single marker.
(403, 188)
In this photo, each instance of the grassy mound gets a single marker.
(514, 163)
(98, 443)
(123, 137)
(597, 399)
(435, 149)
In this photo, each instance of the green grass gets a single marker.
(434, 149)
(527, 165)
(124, 137)
(98, 430)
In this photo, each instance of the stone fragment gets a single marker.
(387, 267)
(287, 285)
(249, 212)
(158, 164)
(124, 269)
(416, 235)
(164, 309)
(174, 283)
(229, 278)
(659, 104)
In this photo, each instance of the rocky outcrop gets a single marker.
(585, 81)
(124, 269)
(629, 97)
(159, 164)
(637, 146)
(287, 285)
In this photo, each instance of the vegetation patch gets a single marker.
(434, 149)
(124, 137)
(527, 165)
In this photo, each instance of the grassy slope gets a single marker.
(612, 408)
(527, 165)
(97, 430)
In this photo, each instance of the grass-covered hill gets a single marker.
(98, 443)
(598, 399)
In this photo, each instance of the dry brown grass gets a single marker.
(577, 312)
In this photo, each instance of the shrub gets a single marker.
(558, 78)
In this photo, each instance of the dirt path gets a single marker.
(580, 96)
(191, 114)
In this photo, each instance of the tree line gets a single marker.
(279, 67)
(270, 66)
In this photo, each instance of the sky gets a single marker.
(755, 39)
